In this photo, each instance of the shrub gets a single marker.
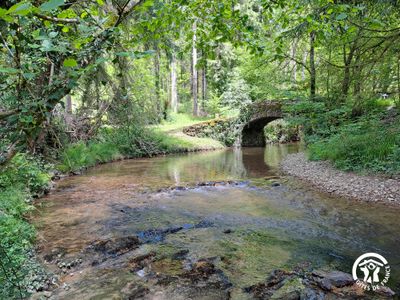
(370, 146)
(81, 155)
(27, 172)
(22, 178)
(280, 131)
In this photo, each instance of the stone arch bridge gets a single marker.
(248, 129)
(259, 114)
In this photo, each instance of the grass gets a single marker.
(177, 121)
(81, 155)
(132, 141)
(20, 179)
(180, 142)
(172, 139)
(370, 147)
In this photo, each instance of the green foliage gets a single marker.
(368, 145)
(280, 131)
(81, 155)
(178, 121)
(237, 93)
(214, 106)
(25, 171)
(22, 178)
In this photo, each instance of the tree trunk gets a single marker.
(357, 77)
(174, 91)
(293, 62)
(303, 70)
(68, 111)
(157, 79)
(194, 73)
(346, 74)
(328, 75)
(312, 66)
(51, 73)
(398, 80)
(204, 86)
(348, 59)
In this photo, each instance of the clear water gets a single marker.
(270, 226)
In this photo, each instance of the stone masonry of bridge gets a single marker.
(260, 114)
(248, 130)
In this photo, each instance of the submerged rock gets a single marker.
(116, 246)
(139, 262)
(134, 291)
(333, 279)
(317, 285)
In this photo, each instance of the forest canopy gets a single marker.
(84, 82)
(155, 56)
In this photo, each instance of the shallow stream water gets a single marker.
(259, 222)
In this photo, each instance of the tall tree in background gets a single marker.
(313, 75)
(194, 71)
(174, 88)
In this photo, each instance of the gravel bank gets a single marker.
(327, 179)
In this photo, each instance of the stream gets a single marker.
(135, 228)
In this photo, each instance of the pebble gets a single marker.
(141, 273)
(326, 178)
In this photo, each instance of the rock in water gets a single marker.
(116, 246)
(299, 284)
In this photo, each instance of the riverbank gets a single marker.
(134, 229)
(26, 178)
(323, 176)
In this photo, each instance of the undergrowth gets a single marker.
(21, 179)
(128, 142)
(366, 142)
(369, 146)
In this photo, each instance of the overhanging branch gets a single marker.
(57, 20)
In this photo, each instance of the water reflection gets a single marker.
(272, 227)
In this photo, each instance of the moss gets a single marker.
(290, 289)
(250, 257)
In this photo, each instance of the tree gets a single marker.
(194, 72)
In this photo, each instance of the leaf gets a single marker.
(100, 2)
(341, 16)
(70, 63)
(135, 54)
(148, 3)
(4, 16)
(51, 5)
(2, 12)
(8, 70)
(21, 8)
(53, 34)
(28, 76)
(46, 45)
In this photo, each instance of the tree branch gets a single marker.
(298, 62)
(6, 114)
(57, 20)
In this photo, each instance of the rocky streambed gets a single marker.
(159, 275)
(345, 184)
(213, 225)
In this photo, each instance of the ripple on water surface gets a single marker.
(246, 230)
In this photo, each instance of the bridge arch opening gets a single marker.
(253, 132)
